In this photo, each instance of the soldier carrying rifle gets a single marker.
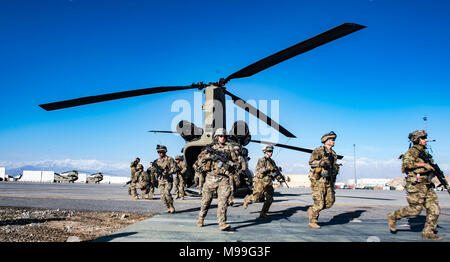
(263, 179)
(218, 162)
(179, 182)
(322, 175)
(419, 167)
(163, 168)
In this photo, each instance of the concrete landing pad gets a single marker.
(183, 228)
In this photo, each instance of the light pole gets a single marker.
(425, 122)
(354, 164)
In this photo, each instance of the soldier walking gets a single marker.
(322, 175)
(218, 161)
(133, 166)
(419, 190)
(263, 181)
(163, 168)
(235, 178)
(199, 177)
(247, 176)
(179, 179)
(153, 182)
(141, 180)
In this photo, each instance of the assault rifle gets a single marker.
(440, 176)
(330, 167)
(278, 172)
(437, 171)
(160, 171)
(127, 183)
(215, 155)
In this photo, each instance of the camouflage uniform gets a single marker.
(247, 175)
(263, 183)
(179, 178)
(235, 178)
(199, 177)
(322, 175)
(153, 182)
(217, 178)
(141, 180)
(133, 171)
(165, 180)
(419, 191)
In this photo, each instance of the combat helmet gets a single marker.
(178, 157)
(220, 132)
(327, 136)
(161, 148)
(414, 136)
(268, 149)
(140, 167)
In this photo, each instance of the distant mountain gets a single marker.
(18, 171)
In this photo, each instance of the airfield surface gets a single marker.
(357, 216)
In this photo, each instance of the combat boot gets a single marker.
(263, 215)
(246, 201)
(391, 221)
(224, 227)
(171, 209)
(135, 197)
(314, 225)
(311, 223)
(200, 222)
(431, 236)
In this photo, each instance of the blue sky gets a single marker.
(372, 87)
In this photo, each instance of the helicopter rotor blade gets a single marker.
(301, 149)
(302, 47)
(260, 115)
(113, 96)
(162, 131)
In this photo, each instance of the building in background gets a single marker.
(2, 174)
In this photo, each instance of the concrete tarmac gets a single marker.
(357, 216)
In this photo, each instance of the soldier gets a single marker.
(133, 170)
(264, 182)
(153, 181)
(322, 175)
(247, 175)
(235, 178)
(164, 167)
(218, 161)
(419, 190)
(141, 180)
(179, 179)
(199, 177)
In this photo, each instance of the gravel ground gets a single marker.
(18, 224)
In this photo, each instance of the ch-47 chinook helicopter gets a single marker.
(214, 106)
(94, 178)
(68, 176)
